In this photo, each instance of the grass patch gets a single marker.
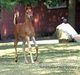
(54, 59)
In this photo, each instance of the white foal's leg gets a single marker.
(25, 59)
(36, 45)
(30, 49)
(34, 41)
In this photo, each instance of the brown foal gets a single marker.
(25, 31)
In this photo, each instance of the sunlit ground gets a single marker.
(54, 59)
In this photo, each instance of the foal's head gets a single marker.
(29, 11)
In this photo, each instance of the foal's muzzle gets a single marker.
(31, 16)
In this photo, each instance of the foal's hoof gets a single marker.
(35, 59)
(16, 60)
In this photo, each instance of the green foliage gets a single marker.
(53, 3)
(25, 2)
(10, 4)
(7, 4)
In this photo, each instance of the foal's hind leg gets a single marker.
(25, 59)
(34, 41)
(30, 49)
(15, 46)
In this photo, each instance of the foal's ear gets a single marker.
(28, 7)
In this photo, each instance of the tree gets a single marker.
(71, 12)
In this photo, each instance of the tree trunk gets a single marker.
(71, 12)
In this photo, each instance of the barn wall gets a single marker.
(45, 20)
(7, 30)
(0, 24)
(7, 26)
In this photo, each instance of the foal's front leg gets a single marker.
(30, 49)
(36, 46)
